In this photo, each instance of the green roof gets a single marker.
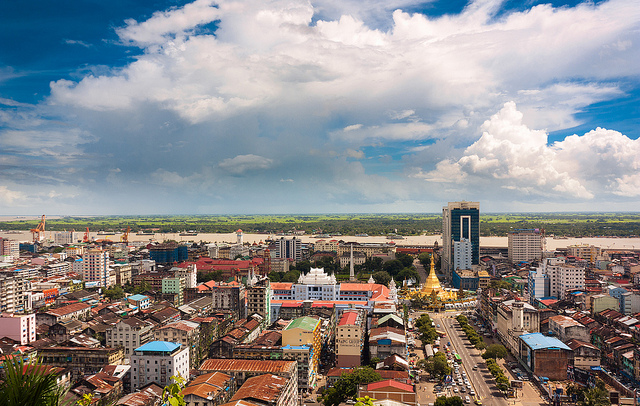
(305, 323)
(391, 316)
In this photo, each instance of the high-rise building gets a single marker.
(460, 221)
(66, 237)
(526, 245)
(290, 249)
(95, 267)
(9, 250)
(14, 297)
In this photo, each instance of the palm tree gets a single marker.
(595, 397)
(29, 383)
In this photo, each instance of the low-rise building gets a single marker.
(566, 328)
(583, 354)
(78, 311)
(243, 369)
(268, 389)
(544, 356)
(129, 333)
(389, 389)
(81, 360)
(210, 389)
(183, 332)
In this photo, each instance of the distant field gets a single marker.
(562, 224)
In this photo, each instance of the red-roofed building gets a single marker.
(389, 389)
(268, 389)
(78, 311)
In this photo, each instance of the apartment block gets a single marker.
(350, 338)
(129, 333)
(526, 245)
(158, 361)
(18, 327)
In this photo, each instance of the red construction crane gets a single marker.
(86, 236)
(38, 232)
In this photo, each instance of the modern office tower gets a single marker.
(460, 221)
(526, 245)
(290, 249)
(95, 267)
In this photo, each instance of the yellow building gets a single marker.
(303, 332)
(431, 289)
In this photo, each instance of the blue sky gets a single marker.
(290, 106)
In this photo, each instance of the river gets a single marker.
(552, 244)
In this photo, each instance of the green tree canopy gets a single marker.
(382, 277)
(392, 267)
(405, 259)
(495, 351)
(449, 401)
(114, 293)
(347, 386)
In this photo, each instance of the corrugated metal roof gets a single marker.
(266, 388)
(392, 383)
(249, 365)
(538, 341)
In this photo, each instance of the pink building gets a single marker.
(18, 327)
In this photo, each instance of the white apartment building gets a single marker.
(14, 293)
(95, 267)
(526, 245)
(190, 275)
(158, 361)
(9, 250)
(462, 254)
(65, 237)
(629, 303)
(564, 277)
(291, 249)
(129, 334)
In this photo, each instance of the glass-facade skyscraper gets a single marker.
(460, 222)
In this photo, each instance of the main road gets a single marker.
(481, 379)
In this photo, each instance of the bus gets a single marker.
(457, 358)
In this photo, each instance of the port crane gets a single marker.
(125, 236)
(86, 236)
(38, 232)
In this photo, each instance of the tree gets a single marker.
(382, 277)
(114, 293)
(593, 397)
(449, 401)
(347, 386)
(29, 383)
(392, 267)
(501, 284)
(495, 351)
(405, 259)
(143, 287)
(365, 401)
(171, 393)
(438, 366)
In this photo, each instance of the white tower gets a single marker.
(518, 316)
(352, 276)
(393, 292)
(239, 236)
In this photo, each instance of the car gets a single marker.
(475, 368)
(455, 390)
(472, 392)
(412, 354)
(463, 389)
(467, 399)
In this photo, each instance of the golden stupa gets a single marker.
(431, 289)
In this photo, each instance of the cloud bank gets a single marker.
(336, 106)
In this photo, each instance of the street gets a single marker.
(481, 379)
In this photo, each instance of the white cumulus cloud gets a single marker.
(245, 163)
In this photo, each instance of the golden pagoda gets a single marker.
(432, 288)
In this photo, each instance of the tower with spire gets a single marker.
(352, 276)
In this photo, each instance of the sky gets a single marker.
(329, 106)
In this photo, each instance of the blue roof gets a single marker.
(538, 341)
(159, 346)
(295, 347)
(138, 297)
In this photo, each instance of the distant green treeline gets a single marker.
(560, 224)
